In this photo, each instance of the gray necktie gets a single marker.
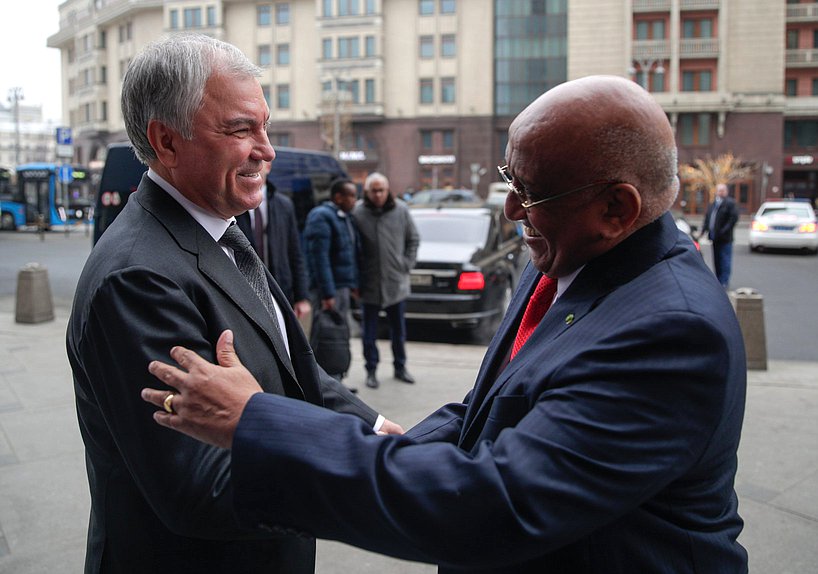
(250, 266)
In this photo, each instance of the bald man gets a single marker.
(601, 433)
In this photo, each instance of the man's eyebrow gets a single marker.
(240, 122)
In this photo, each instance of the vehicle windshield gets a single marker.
(791, 210)
(468, 230)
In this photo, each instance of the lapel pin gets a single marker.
(569, 318)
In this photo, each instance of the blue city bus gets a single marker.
(40, 198)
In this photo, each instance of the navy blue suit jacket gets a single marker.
(607, 445)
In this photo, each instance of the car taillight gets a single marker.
(471, 281)
(758, 226)
(807, 228)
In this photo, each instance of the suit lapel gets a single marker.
(215, 264)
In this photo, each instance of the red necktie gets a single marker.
(258, 234)
(537, 306)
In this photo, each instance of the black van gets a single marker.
(303, 175)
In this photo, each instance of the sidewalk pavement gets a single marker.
(44, 498)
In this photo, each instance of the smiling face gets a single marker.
(221, 169)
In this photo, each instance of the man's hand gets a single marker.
(328, 304)
(388, 427)
(301, 308)
(209, 398)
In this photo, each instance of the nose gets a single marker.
(513, 208)
(264, 149)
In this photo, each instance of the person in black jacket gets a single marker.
(719, 223)
(278, 244)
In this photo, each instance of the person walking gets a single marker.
(719, 222)
(389, 245)
(273, 232)
(332, 245)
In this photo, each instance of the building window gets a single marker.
(697, 81)
(426, 7)
(448, 139)
(283, 96)
(348, 47)
(347, 7)
(694, 129)
(801, 134)
(370, 47)
(326, 10)
(264, 14)
(815, 86)
(792, 39)
(354, 89)
(265, 90)
(283, 54)
(193, 17)
(174, 19)
(650, 30)
(426, 91)
(103, 75)
(697, 28)
(447, 92)
(103, 111)
(427, 47)
(326, 48)
(369, 91)
(211, 16)
(448, 46)
(282, 14)
(447, 6)
(280, 139)
(791, 87)
(370, 6)
(264, 56)
(426, 141)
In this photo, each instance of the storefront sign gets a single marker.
(436, 159)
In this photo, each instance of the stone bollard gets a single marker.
(34, 304)
(749, 306)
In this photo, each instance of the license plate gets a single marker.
(420, 280)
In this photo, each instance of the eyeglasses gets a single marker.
(526, 202)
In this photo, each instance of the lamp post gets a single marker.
(645, 67)
(14, 96)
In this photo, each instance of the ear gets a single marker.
(163, 140)
(623, 205)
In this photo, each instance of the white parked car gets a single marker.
(784, 225)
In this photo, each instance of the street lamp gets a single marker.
(14, 97)
(646, 66)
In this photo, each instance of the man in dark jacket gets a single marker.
(332, 245)
(277, 242)
(719, 222)
(389, 243)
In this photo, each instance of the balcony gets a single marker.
(802, 58)
(802, 13)
(699, 4)
(654, 49)
(699, 48)
(651, 5)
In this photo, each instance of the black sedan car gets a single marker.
(469, 260)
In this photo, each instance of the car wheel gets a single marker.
(7, 222)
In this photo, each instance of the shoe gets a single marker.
(403, 375)
(372, 380)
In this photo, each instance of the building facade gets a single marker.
(424, 90)
(24, 136)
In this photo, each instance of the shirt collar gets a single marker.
(563, 283)
(214, 225)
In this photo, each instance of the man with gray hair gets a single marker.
(389, 247)
(171, 269)
(601, 434)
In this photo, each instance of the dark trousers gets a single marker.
(723, 261)
(397, 333)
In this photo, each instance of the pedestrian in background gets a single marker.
(273, 232)
(719, 222)
(332, 245)
(389, 245)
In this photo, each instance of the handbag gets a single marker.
(329, 339)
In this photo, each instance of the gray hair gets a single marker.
(375, 176)
(639, 159)
(166, 82)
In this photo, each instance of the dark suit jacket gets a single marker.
(726, 219)
(607, 445)
(161, 502)
(286, 260)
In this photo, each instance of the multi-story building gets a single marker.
(24, 136)
(424, 90)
